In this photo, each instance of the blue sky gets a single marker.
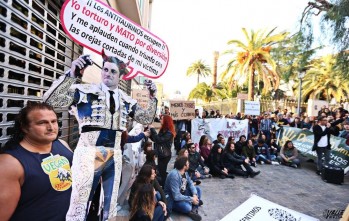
(193, 29)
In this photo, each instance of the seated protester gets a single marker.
(231, 139)
(240, 144)
(296, 123)
(265, 139)
(274, 149)
(306, 124)
(185, 153)
(216, 141)
(221, 142)
(182, 195)
(197, 168)
(205, 148)
(145, 208)
(233, 162)
(216, 164)
(249, 152)
(150, 160)
(147, 176)
(185, 138)
(288, 155)
(262, 152)
(147, 146)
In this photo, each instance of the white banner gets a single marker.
(252, 108)
(211, 127)
(257, 208)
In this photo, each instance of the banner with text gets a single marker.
(252, 108)
(257, 208)
(96, 26)
(304, 140)
(181, 110)
(142, 97)
(211, 127)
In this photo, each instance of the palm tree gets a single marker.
(199, 68)
(254, 59)
(324, 79)
(203, 92)
(215, 60)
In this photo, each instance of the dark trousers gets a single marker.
(162, 166)
(237, 170)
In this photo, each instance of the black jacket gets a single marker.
(232, 159)
(161, 140)
(318, 133)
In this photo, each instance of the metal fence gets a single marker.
(34, 51)
(228, 106)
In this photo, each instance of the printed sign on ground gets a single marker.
(256, 209)
(181, 110)
(95, 25)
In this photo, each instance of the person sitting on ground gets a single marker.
(249, 152)
(296, 123)
(197, 167)
(233, 162)
(221, 141)
(185, 138)
(185, 153)
(231, 139)
(205, 147)
(151, 160)
(288, 155)
(240, 144)
(216, 164)
(182, 195)
(217, 140)
(274, 149)
(144, 206)
(147, 176)
(306, 124)
(262, 152)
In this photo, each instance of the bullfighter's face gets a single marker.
(110, 75)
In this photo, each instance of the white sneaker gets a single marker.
(262, 162)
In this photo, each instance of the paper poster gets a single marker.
(96, 26)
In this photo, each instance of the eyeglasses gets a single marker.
(192, 147)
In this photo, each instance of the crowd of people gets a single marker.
(43, 179)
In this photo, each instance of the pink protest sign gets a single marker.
(96, 26)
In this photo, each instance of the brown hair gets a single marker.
(144, 200)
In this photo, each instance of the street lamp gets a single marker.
(301, 75)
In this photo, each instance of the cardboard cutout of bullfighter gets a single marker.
(101, 110)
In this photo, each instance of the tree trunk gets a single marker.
(251, 85)
(198, 78)
(215, 60)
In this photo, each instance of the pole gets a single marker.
(299, 97)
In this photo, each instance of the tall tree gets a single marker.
(200, 68)
(324, 79)
(203, 92)
(215, 61)
(333, 24)
(252, 59)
